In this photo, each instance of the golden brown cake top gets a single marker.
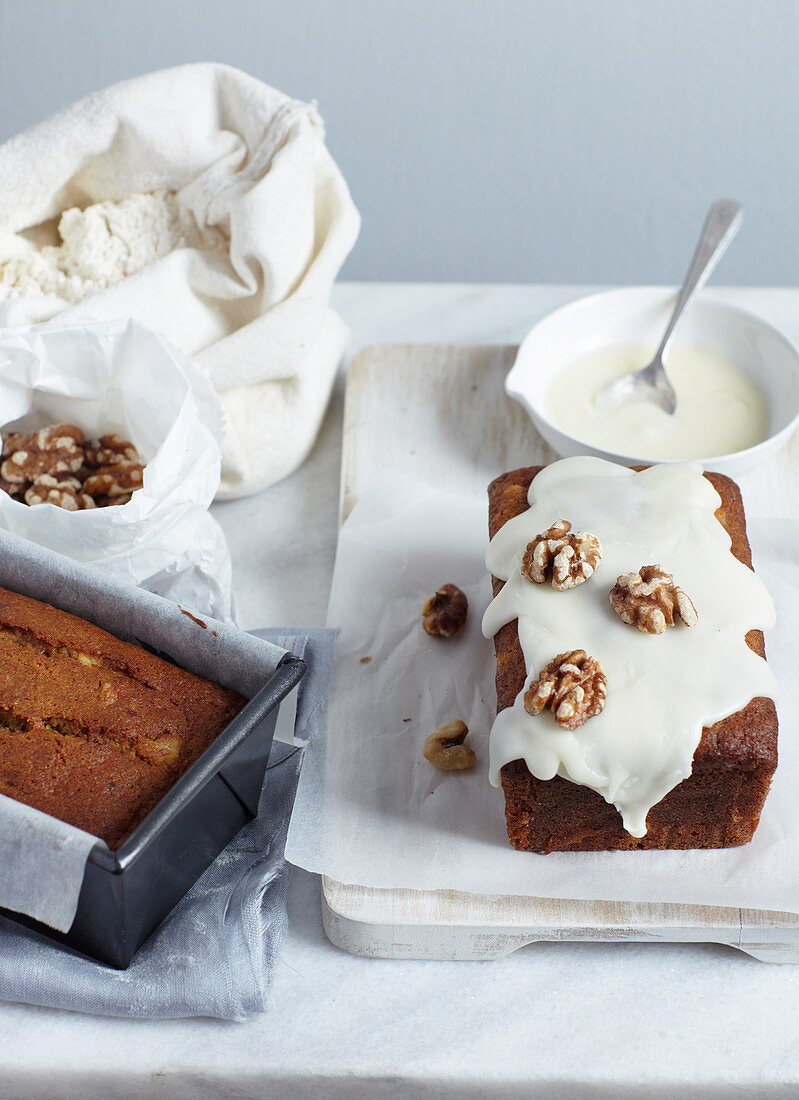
(108, 725)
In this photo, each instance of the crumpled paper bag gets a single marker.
(248, 161)
(120, 377)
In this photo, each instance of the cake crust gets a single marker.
(718, 806)
(94, 730)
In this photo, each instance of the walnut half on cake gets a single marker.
(717, 799)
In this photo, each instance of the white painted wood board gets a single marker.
(440, 414)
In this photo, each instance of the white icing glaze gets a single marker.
(720, 409)
(662, 689)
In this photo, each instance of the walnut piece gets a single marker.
(50, 451)
(650, 600)
(12, 490)
(55, 437)
(572, 685)
(569, 556)
(113, 481)
(110, 450)
(445, 748)
(445, 613)
(24, 466)
(108, 502)
(63, 492)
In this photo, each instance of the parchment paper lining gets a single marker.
(373, 812)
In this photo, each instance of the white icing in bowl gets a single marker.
(639, 315)
(720, 409)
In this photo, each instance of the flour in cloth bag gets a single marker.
(100, 246)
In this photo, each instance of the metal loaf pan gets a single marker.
(126, 893)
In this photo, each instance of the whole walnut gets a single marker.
(567, 557)
(573, 686)
(445, 613)
(650, 600)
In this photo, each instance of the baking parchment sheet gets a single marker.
(41, 859)
(372, 811)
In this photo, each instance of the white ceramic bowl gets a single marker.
(639, 315)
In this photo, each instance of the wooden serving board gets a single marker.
(440, 414)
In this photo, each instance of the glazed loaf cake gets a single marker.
(94, 730)
(718, 805)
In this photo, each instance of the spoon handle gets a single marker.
(721, 224)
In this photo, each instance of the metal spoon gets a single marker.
(721, 224)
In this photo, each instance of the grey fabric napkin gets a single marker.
(215, 952)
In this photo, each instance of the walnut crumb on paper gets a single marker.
(445, 748)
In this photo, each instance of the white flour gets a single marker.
(101, 245)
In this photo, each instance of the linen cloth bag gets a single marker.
(248, 161)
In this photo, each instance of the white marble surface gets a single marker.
(554, 1020)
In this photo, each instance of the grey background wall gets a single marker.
(488, 140)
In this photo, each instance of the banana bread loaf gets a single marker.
(718, 805)
(94, 730)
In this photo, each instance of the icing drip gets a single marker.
(662, 689)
